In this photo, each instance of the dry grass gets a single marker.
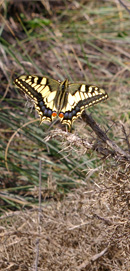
(88, 228)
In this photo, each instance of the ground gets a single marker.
(64, 196)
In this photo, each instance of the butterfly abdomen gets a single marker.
(61, 98)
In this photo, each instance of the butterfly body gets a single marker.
(59, 99)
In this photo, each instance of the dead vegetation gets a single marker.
(88, 230)
(89, 227)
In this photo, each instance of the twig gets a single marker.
(94, 258)
(126, 137)
(102, 135)
(39, 221)
(120, 1)
(107, 221)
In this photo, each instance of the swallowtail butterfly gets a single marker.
(59, 99)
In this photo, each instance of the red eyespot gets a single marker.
(61, 115)
(54, 114)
